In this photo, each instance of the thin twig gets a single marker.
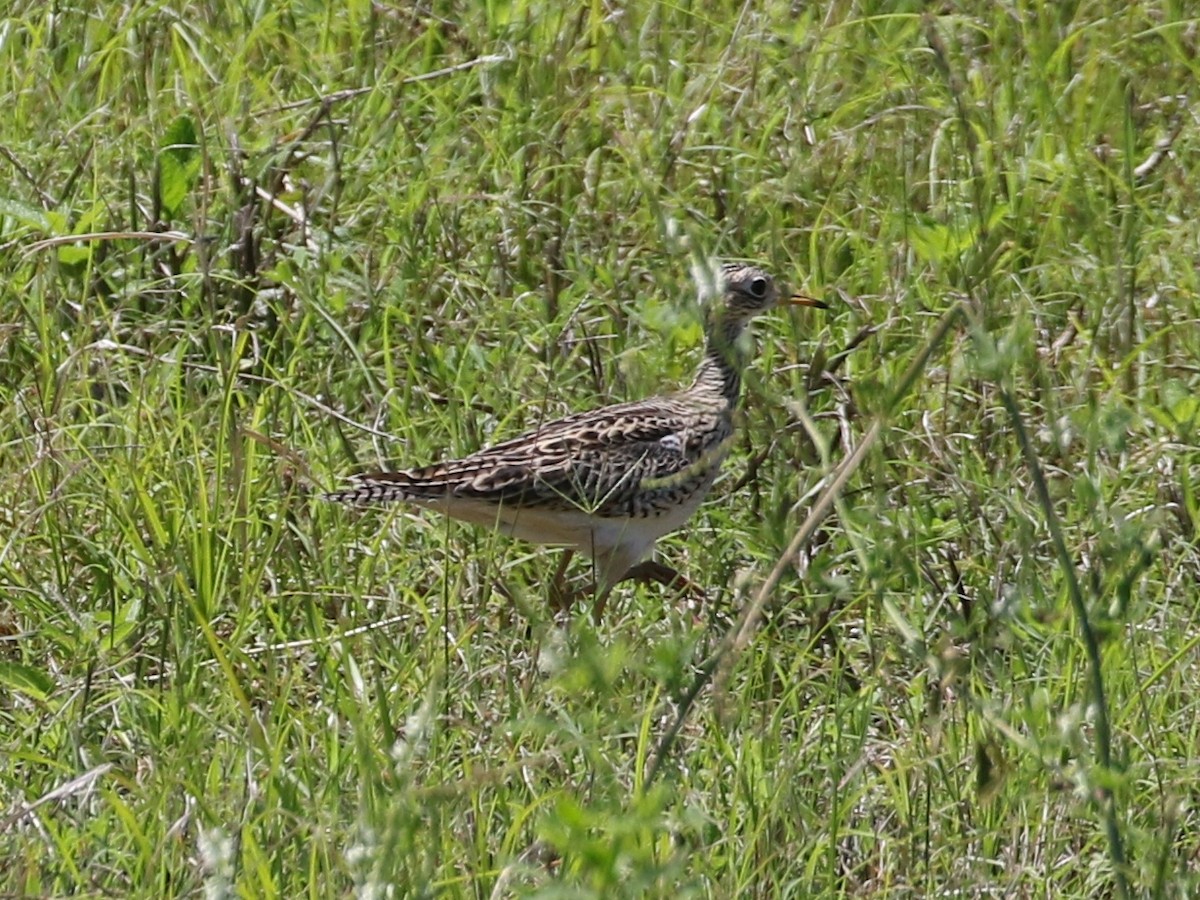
(329, 100)
(1090, 642)
(171, 237)
(106, 344)
(1160, 152)
(739, 636)
(76, 785)
(48, 202)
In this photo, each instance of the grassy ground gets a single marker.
(386, 232)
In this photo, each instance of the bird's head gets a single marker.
(747, 291)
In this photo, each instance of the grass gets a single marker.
(246, 250)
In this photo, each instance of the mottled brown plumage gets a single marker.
(609, 482)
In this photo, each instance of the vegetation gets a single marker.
(247, 249)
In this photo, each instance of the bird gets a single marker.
(609, 482)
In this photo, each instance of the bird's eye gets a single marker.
(758, 288)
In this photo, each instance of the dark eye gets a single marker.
(758, 288)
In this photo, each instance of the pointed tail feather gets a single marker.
(365, 494)
(387, 487)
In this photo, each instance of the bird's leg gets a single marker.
(601, 601)
(651, 571)
(660, 573)
(561, 597)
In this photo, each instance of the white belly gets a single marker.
(616, 544)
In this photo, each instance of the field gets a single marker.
(949, 643)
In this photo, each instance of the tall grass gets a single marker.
(246, 250)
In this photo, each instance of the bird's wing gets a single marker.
(597, 462)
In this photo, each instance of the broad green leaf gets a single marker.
(26, 680)
(30, 216)
(178, 165)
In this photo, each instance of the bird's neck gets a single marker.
(720, 374)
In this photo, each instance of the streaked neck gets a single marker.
(720, 372)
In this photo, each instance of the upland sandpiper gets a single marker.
(610, 482)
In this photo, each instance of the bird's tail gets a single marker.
(387, 487)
